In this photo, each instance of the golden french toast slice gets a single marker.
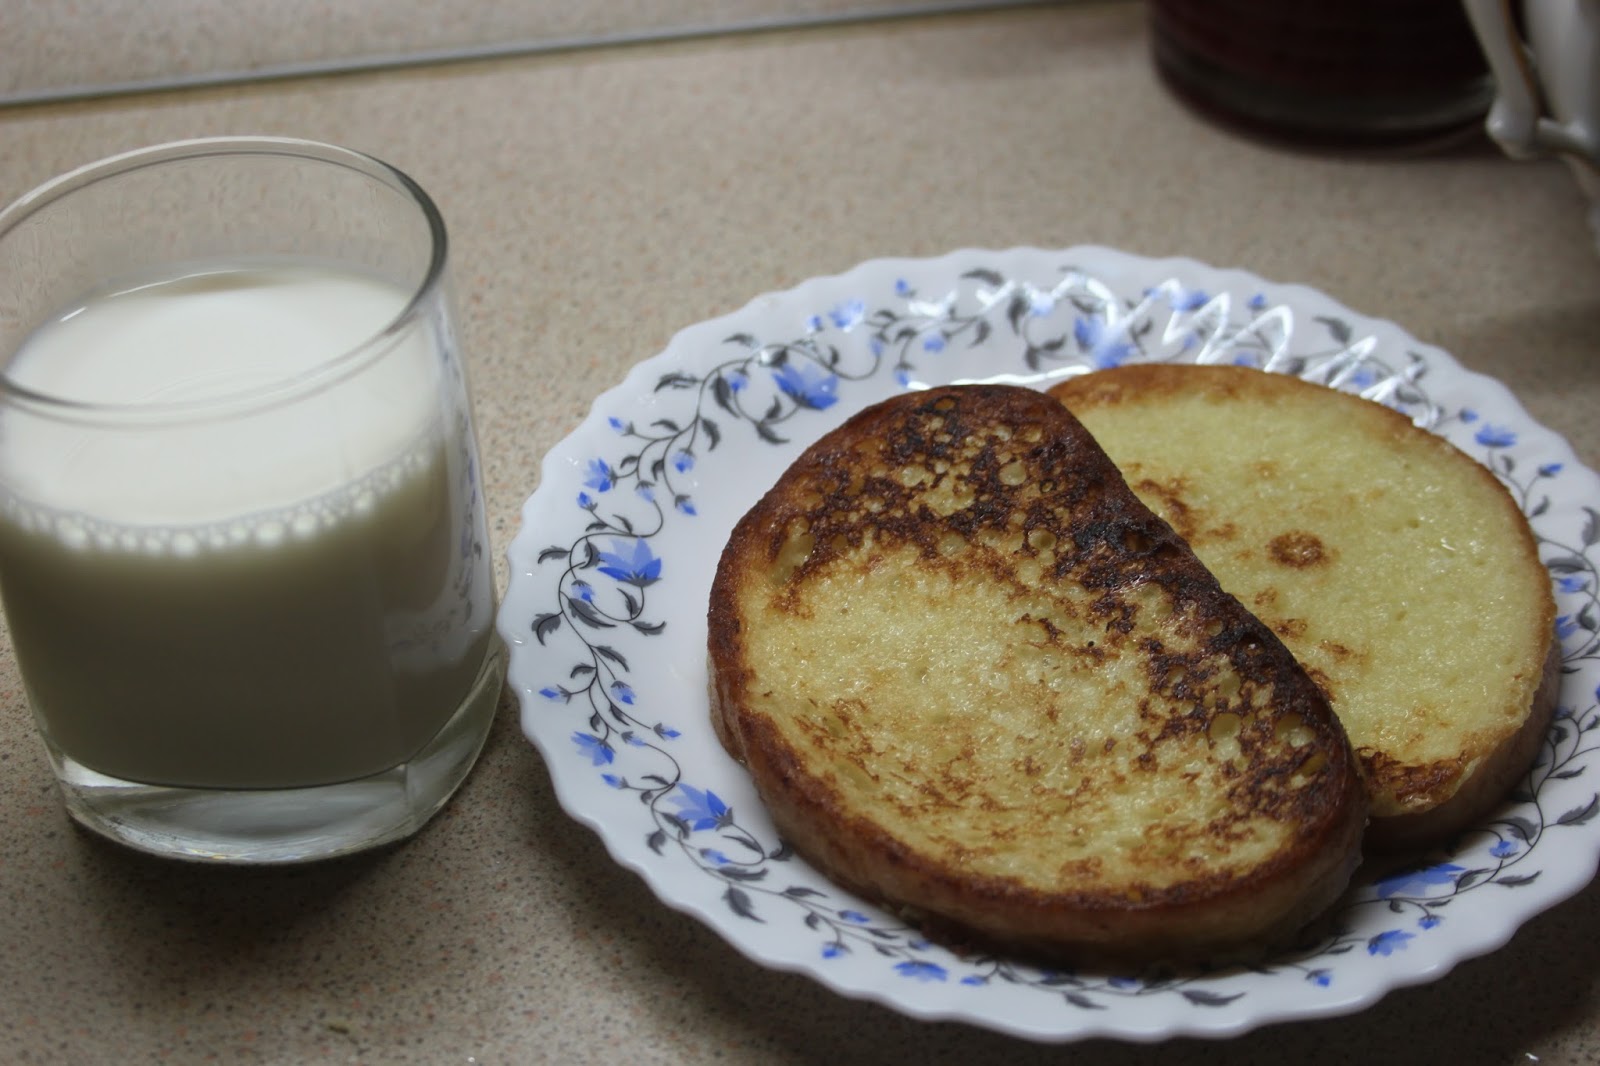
(974, 678)
(1398, 570)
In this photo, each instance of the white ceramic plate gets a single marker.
(605, 616)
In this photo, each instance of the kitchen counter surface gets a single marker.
(599, 200)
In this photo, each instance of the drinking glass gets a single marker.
(243, 556)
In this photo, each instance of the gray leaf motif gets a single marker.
(546, 624)
(1581, 815)
(1201, 998)
(739, 903)
(1337, 327)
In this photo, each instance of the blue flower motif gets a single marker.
(737, 380)
(668, 732)
(712, 855)
(1428, 921)
(550, 693)
(1550, 470)
(1417, 882)
(583, 590)
(1572, 583)
(635, 567)
(1493, 436)
(1468, 415)
(1189, 299)
(807, 385)
(700, 810)
(1320, 978)
(902, 287)
(814, 324)
(875, 346)
(597, 751)
(635, 740)
(617, 424)
(622, 691)
(586, 501)
(849, 314)
(683, 462)
(1101, 343)
(685, 504)
(1363, 377)
(933, 342)
(646, 491)
(1123, 982)
(974, 980)
(902, 378)
(921, 971)
(600, 476)
(833, 951)
(1566, 625)
(1041, 304)
(1258, 301)
(613, 780)
(1388, 943)
(854, 916)
(1504, 849)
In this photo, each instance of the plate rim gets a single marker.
(680, 348)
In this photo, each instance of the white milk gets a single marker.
(296, 594)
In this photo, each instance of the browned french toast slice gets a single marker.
(1398, 570)
(974, 678)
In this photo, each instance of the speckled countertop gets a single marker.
(599, 200)
(76, 47)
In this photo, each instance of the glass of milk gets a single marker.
(243, 555)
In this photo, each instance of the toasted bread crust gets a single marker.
(1480, 790)
(992, 512)
(1420, 794)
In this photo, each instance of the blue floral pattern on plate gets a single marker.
(605, 618)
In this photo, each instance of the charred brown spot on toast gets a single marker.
(1166, 498)
(1408, 782)
(1170, 498)
(1298, 549)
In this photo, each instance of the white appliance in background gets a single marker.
(1548, 72)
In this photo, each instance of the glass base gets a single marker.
(260, 826)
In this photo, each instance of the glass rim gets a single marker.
(63, 185)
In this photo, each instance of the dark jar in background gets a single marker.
(1373, 74)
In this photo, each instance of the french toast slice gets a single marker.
(974, 678)
(1396, 568)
